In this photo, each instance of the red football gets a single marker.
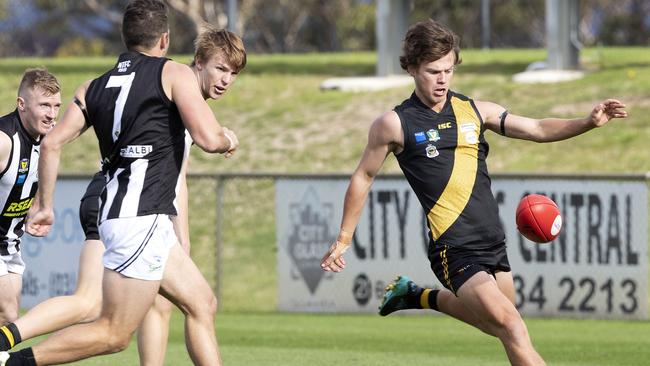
(538, 218)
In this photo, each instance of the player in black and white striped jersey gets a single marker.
(142, 159)
(38, 102)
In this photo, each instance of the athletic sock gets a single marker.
(428, 299)
(9, 337)
(24, 357)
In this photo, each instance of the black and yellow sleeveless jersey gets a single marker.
(444, 162)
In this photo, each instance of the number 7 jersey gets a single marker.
(141, 137)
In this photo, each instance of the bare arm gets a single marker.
(5, 150)
(385, 136)
(549, 129)
(181, 220)
(41, 216)
(180, 83)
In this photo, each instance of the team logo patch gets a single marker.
(24, 166)
(420, 137)
(432, 151)
(467, 127)
(471, 138)
(433, 135)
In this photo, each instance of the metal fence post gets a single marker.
(221, 182)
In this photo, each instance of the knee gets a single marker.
(109, 339)
(89, 308)
(511, 327)
(117, 342)
(204, 306)
(8, 312)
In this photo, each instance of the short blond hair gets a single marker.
(212, 41)
(39, 78)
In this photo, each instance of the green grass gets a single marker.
(303, 339)
(287, 124)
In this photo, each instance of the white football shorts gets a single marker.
(12, 263)
(138, 247)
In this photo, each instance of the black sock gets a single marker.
(430, 301)
(9, 337)
(413, 300)
(24, 357)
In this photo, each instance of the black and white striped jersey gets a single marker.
(141, 137)
(18, 183)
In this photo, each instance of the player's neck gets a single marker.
(152, 52)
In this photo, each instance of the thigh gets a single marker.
(483, 297)
(126, 300)
(91, 270)
(506, 284)
(10, 290)
(183, 283)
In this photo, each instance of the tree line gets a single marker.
(91, 27)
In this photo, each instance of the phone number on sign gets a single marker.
(578, 295)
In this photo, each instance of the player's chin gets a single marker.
(45, 127)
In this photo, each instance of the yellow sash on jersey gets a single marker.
(458, 191)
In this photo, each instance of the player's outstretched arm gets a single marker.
(180, 84)
(41, 216)
(384, 136)
(548, 129)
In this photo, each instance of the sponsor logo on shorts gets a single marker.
(154, 267)
(464, 268)
(136, 151)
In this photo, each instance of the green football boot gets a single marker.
(397, 296)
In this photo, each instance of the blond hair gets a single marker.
(39, 78)
(212, 41)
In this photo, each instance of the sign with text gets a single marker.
(596, 268)
(52, 261)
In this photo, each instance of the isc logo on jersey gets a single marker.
(135, 151)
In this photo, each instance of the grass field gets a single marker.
(360, 340)
(286, 124)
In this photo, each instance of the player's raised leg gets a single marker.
(482, 296)
(126, 301)
(186, 287)
(84, 305)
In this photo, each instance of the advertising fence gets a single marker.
(596, 268)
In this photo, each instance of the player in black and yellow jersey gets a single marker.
(437, 136)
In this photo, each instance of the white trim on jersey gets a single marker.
(111, 190)
(131, 200)
(9, 177)
(8, 180)
(186, 155)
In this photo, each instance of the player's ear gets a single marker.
(199, 64)
(164, 41)
(411, 69)
(20, 102)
